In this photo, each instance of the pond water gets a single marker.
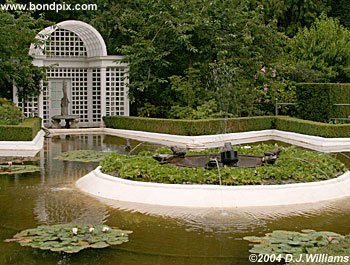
(173, 236)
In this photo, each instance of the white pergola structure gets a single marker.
(76, 56)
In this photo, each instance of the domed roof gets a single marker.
(92, 39)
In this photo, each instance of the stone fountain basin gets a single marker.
(109, 187)
(201, 160)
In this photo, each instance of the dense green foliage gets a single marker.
(198, 59)
(10, 114)
(189, 127)
(70, 238)
(17, 32)
(316, 101)
(216, 126)
(281, 243)
(324, 47)
(24, 131)
(293, 165)
(293, 15)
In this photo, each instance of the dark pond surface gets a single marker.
(174, 236)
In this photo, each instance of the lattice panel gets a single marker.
(115, 91)
(96, 95)
(79, 91)
(29, 107)
(45, 102)
(64, 43)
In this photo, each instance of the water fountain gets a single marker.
(227, 157)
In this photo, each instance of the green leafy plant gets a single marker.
(281, 242)
(293, 165)
(10, 114)
(70, 238)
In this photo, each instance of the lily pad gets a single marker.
(18, 169)
(85, 156)
(291, 242)
(70, 238)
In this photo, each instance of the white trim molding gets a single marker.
(23, 148)
(327, 145)
(105, 186)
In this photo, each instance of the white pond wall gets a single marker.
(22, 148)
(105, 186)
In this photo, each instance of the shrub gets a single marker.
(10, 114)
(316, 101)
(312, 128)
(24, 131)
(217, 126)
(189, 127)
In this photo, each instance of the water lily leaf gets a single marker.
(59, 238)
(290, 242)
(100, 245)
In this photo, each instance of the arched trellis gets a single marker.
(76, 58)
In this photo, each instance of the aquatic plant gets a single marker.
(17, 169)
(83, 156)
(70, 238)
(293, 165)
(339, 251)
(281, 242)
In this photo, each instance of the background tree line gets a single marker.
(200, 58)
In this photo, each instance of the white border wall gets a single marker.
(108, 187)
(23, 148)
(317, 143)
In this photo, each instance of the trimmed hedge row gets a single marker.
(24, 131)
(315, 101)
(312, 128)
(189, 127)
(216, 126)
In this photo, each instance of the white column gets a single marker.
(41, 103)
(103, 92)
(89, 94)
(126, 91)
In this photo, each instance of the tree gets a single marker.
(324, 47)
(164, 40)
(341, 10)
(292, 15)
(17, 32)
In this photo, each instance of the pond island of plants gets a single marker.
(294, 165)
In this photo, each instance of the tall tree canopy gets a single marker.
(17, 32)
(323, 47)
(163, 39)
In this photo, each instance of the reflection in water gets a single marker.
(162, 235)
(64, 205)
(228, 220)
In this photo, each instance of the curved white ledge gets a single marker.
(317, 143)
(108, 187)
(23, 148)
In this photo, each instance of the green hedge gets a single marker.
(312, 128)
(189, 127)
(215, 126)
(315, 101)
(24, 131)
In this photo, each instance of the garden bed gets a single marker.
(295, 165)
